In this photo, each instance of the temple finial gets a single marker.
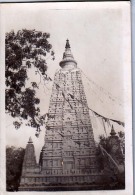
(68, 59)
(67, 44)
(112, 131)
(30, 140)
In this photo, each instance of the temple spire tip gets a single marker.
(68, 59)
(67, 44)
(30, 140)
(112, 131)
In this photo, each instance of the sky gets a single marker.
(96, 35)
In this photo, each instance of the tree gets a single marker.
(25, 49)
(110, 158)
(14, 161)
(118, 153)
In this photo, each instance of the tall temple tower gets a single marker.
(68, 156)
(69, 143)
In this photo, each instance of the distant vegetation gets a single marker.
(14, 161)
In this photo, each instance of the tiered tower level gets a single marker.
(69, 154)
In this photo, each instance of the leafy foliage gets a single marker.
(105, 164)
(105, 143)
(14, 160)
(25, 49)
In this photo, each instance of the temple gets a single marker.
(68, 157)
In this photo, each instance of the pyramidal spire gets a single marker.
(68, 61)
(29, 157)
(112, 131)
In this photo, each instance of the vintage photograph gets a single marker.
(65, 96)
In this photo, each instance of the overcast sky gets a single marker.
(96, 34)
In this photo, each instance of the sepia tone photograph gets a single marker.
(66, 96)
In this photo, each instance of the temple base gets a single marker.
(66, 183)
(73, 187)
